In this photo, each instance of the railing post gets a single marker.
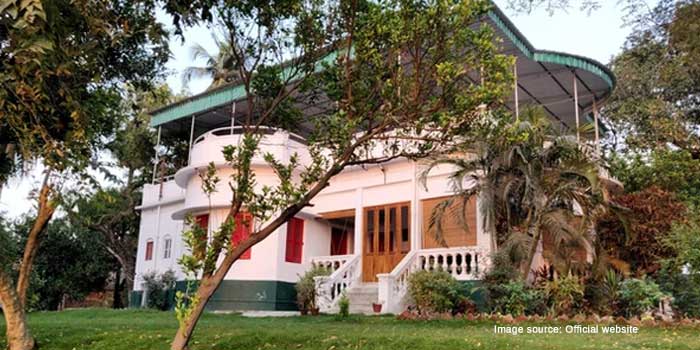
(189, 150)
(155, 164)
(578, 133)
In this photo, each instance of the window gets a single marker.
(202, 221)
(244, 225)
(149, 250)
(167, 247)
(295, 240)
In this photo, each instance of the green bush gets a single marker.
(506, 293)
(638, 296)
(157, 287)
(516, 298)
(434, 291)
(344, 305)
(601, 294)
(565, 294)
(306, 288)
(680, 275)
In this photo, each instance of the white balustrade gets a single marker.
(346, 272)
(464, 263)
(331, 262)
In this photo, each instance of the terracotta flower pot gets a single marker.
(377, 308)
(315, 311)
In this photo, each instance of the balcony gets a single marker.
(165, 190)
(208, 148)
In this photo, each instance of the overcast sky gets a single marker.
(598, 36)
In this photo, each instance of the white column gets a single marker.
(189, 150)
(595, 121)
(359, 221)
(416, 237)
(233, 116)
(578, 134)
(516, 99)
(155, 164)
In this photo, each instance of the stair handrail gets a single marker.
(330, 288)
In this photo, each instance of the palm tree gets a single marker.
(222, 67)
(536, 180)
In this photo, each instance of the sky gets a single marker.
(599, 35)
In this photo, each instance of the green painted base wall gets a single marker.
(234, 295)
(254, 295)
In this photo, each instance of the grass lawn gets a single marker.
(138, 329)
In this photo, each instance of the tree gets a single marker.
(62, 67)
(221, 67)
(637, 241)
(656, 101)
(402, 78)
(110, 211)
(537, 177)
(69, 263)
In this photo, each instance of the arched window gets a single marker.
(167, 247)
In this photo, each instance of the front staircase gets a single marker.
(463, 263)
(362, 296)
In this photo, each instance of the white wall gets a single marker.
(355, 188)
(157, 225)
(317, 242)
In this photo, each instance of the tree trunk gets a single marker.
(17, 332)
(117, 296)
(206, 289)
(129, 276)
(44, 214)
(536, 236)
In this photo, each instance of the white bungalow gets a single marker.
(370, 225)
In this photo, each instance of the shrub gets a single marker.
(434, 291)
(344, 305)
(516, 298)
(638, 296)
(602, 293)
(157, 287)
(565, 294)
(506, 293)
(680, 274)
(306, 288)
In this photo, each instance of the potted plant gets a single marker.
(306, 291)
(377, 307)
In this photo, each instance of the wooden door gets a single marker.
(387, 238)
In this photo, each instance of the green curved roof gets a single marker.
(216, 98)
(545, 56)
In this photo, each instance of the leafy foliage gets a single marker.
(669, 170)
(679, 274)
(565, 294)
(655, 101)
(649, 217)
(517, 298)
(55, 106)
(306, 288)
(434, 291)
(70, 263)
(532, 177)
(639, 295)
(344, 306)
(157, 287)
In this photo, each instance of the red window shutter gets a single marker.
(149, 250)
(202, 221)
(295, 240)
(244, 225)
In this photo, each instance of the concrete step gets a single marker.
(362, 297)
